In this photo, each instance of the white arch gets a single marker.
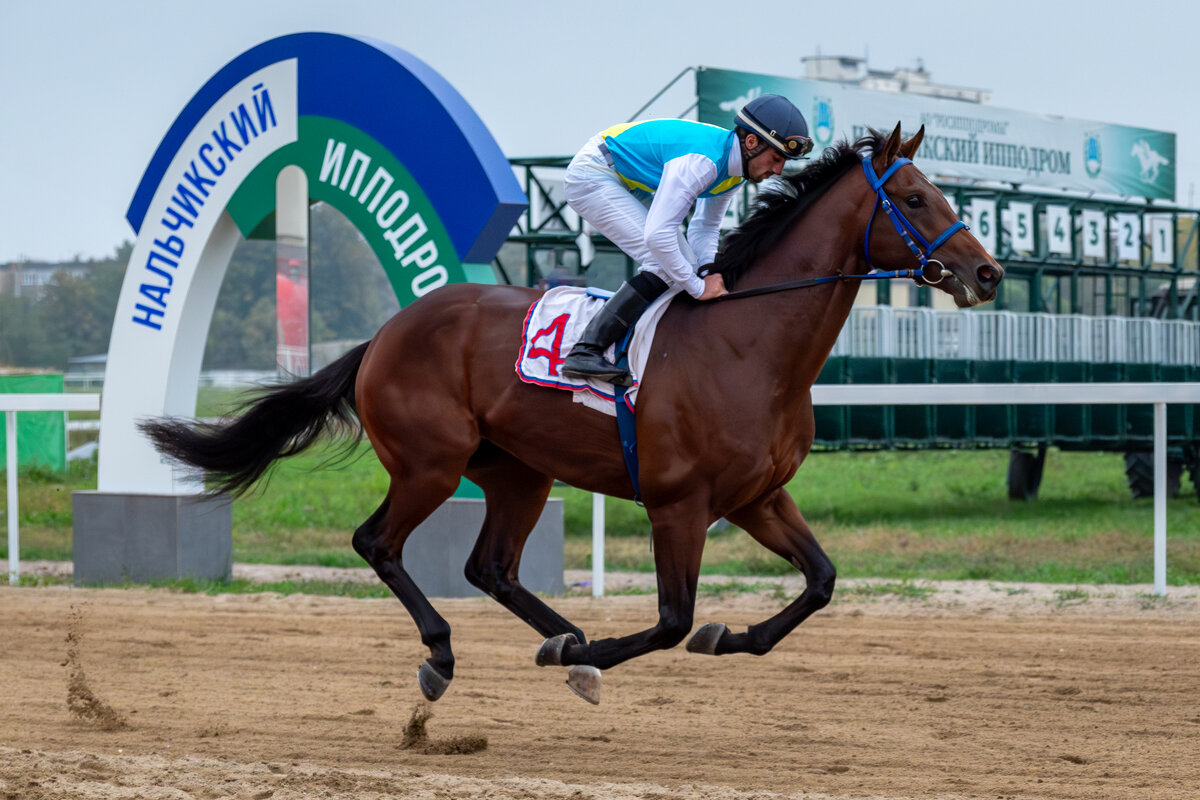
(173, 277)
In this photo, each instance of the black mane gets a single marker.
(778, 208)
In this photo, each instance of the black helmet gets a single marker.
(778, 123)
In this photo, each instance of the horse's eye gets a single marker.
(914, 201)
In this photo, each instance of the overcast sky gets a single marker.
(88, 89)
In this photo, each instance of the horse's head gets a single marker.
(921, 229)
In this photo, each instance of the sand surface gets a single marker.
(979, 690)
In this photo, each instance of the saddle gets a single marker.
(555, 323)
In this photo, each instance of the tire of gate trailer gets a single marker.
(1025, 473)
(1192, 457)
(1139, 474)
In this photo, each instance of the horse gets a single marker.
(723, 420)
(1149, 158)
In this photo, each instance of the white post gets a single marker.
(10, 404)
(14, 541)
(597, 545)
(1160, 499)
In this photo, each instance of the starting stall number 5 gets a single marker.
(1021, 233)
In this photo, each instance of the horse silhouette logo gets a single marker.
(1149, 158)
(737, 103)
(1091, 155)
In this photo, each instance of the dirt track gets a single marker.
(982, 693)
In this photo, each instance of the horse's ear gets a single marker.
(909, 148)
(890, 148)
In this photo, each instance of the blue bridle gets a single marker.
(906, 229)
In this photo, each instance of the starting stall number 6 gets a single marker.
(983, 222)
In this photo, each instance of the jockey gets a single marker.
(636, 182)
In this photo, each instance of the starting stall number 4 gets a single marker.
(1058, 230)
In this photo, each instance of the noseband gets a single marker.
(906, 229)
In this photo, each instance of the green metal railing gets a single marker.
(549, 236)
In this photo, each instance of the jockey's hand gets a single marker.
(714, 286)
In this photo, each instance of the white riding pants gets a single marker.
(597, 194)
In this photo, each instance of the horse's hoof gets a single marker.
(705, 639)
(432, 684)
(585, 682)
(550, 653)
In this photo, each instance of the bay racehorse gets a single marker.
(724, 416)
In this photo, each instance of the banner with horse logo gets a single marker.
(963, 139)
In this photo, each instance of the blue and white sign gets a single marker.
(381, 137)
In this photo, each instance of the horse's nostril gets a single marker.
(987, 276)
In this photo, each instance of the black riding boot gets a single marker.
(586, 359)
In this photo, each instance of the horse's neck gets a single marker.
(806, 322)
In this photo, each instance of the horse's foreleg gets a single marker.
(678, 545)
(780, 527)
(515, 496)
(380, 541)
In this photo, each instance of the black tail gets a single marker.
(275, 422)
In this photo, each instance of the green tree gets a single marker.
(72, 317)
(350, 293)
(76, 313)
(21, 341)
(241, 323)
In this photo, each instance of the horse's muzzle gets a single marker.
(988, 277)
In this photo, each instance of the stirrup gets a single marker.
(585, 366)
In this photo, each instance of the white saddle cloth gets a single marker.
(553, 326)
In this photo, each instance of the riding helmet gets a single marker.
(777, 122)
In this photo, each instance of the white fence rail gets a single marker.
(862, 394)
(10, 404)
(223, 378)
(1157, 394)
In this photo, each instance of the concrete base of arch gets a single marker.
(144, 538)
(148, 537)
(437, 550)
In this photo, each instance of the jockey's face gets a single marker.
(762, 165)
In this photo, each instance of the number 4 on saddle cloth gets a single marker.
(553, 326)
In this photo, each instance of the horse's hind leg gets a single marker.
(678, 536)
(380, 541)
(516, 495)
(780, 527)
